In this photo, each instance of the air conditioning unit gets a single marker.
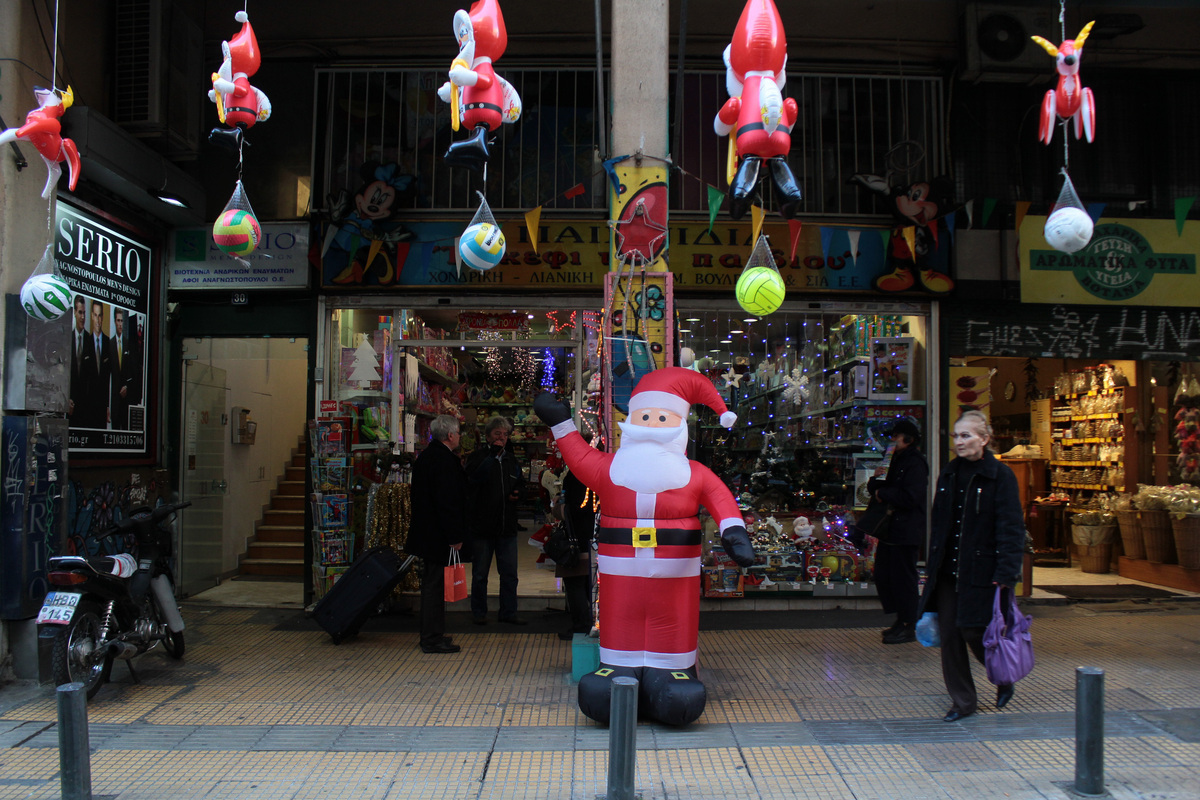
(996, 44)
(158, 93)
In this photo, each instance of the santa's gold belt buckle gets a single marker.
(645, 537)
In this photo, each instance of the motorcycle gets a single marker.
(109, 607)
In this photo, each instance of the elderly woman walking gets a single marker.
(978, 541)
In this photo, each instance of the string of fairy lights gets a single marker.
(824, 359)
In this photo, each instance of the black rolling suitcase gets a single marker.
(358, 593)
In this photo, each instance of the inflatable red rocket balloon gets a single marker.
(239, 105)
(756, 116)
(649, 542)
(43, 130)
(1070, 98)
(479, 99)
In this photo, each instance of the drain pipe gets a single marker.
(74, 757)
(1089, 731)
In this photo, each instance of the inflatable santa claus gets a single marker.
(480, 99)
(756, 114)
(239, 104)
(649, 542)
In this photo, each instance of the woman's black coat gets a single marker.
(439, 491)
(493, 474)
(904, 489)
(992, 546)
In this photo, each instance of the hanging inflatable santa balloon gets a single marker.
(239, 105)
(43, 130)
(756, 115)
(479, 99)
(650, 542)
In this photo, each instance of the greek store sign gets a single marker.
(279, 262)
(1147, 262)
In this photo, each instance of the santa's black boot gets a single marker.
(226, 138)
(471, 153)
(787, 191)
(742, 190)
(595, 690)
(672, 696)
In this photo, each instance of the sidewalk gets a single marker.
(265, 706)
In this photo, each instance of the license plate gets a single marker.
(58, 608)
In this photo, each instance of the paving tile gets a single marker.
(785, 734)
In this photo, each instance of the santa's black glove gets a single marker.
(550, 409)
(737, 545)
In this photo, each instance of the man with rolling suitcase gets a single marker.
(439, 491)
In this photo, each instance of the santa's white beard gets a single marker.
(651, 460)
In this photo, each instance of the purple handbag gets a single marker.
(1007, 645)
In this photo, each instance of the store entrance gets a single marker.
(242, 429)
(1100, 451)
(394, 370)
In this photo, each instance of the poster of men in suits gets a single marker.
(108, 270)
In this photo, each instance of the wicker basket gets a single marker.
(1089, 535)
(1157, 535)
(1095, 558)
(1131, 534)
(1187, 540)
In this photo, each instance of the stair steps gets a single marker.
(277, 547)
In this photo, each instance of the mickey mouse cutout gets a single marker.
(916, 207)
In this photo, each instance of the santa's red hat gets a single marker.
(243, 47)
(487, 22)
(675, 389)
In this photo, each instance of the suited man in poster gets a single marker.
(78, 334)
(650, 542)
(126, 372)
(95, 373)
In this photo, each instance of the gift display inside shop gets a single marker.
(816, 396)
(399, 369)
(1107, 456)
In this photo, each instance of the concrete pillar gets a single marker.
(639, 83)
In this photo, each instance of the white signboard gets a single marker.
(279, 262)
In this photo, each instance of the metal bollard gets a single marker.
(622, 738)
(1089, 731)
(74, 755)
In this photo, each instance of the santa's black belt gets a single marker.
(758, 126)
(484, 106)
(650, 537)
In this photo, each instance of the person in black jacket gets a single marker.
(439, 486)
(904, 490)
(978, 543)
(576, 504)
(494, 479)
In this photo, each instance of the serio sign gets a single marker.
(109, 272)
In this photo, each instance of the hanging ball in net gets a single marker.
(236, 232)
(760, 290)
(1068, 229)
(481, 246)
(46, 297)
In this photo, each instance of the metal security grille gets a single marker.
(882, 125)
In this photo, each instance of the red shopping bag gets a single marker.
(455, 578)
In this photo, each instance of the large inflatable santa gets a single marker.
(649, 542)
(239, 104)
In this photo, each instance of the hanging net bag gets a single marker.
(760, 288)
(1069, 226)
(236, 231)
(481, 245)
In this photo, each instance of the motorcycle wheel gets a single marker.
(70, 657)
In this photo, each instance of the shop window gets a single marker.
(814, 394)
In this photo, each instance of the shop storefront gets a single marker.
(1091, 404)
